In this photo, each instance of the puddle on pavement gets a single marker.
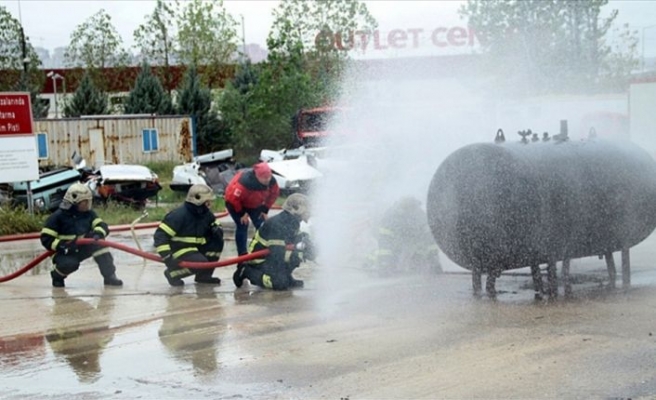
(17, 254)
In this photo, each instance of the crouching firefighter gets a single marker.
(75, 219)
(276, 233)
(192, 233)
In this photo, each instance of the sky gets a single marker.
(62, 17)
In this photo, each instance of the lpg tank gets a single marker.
(512, 205)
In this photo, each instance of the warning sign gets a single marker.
(15, 114)
(18, 155)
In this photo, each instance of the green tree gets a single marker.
(155, 39)
(299, 25)
(540, 46)
(195, 99)
(148, 96)
(96, 44)
(87, 100)
(12, 40)
(297, 74)
(207, 37)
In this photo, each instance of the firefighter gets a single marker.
(405, 242)
(276, 233)
(250, 194)
(75, 219)
(192, 233)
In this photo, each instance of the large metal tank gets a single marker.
(512, 205)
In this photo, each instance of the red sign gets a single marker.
(15, 114)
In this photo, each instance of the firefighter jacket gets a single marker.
(70, 224)
(245, 192)
(185, 229)
(275, 234)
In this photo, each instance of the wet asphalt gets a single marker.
(349, 334)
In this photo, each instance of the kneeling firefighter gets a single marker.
(276, 233)
(75, 219)
(190, 232)
(405, 242)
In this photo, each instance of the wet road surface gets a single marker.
(346, 335)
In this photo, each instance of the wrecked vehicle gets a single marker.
(295, 170)
(47, 191)
(128, 184)
(213, 169)
(310, 125)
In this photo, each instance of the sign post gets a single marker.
(18, 152)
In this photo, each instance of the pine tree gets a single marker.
(87, 100)
(148, 96)
(39, 108)
(196, 100)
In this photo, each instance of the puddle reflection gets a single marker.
(191, 331)
(80, 333)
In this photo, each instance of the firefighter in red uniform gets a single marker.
(250, 193)
(190, 232)
(276, 233)
(75, 219)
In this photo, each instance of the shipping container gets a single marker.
(124, 139)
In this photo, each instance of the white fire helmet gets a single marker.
(298, 204)
(77, 193)
(199, 193)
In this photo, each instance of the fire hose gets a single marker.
(140, 253)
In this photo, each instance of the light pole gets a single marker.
(643, 44)
(243, 36)
(54, 76)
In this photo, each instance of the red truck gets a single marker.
(311, 125)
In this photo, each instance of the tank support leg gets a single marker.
(490, 283)
(567, 283)
(537, 281)
(477, 281)
(552, 279)
(626, 268)
(612, 272)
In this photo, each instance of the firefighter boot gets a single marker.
(57, 279)
(113, 281)
(205, 276)
(107, 268)
(238, 277)
(296, 283)
(175, 276)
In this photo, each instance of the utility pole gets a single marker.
(243, 37)
(26, 61)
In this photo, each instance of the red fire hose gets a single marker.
(114, 228)
(146, 255)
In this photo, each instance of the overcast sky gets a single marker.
(49, 23)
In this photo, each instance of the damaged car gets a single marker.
(214, 169)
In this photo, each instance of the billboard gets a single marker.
(18, 154)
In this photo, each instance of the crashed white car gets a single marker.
(130, 184)
(213, 169)
(295, 170)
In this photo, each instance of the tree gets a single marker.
(155, 38)
(195, 100)
(207, 37)
(87, 100)
(12, 39)
(544, 46)
(299, 27)
(148, 96)
(96, 44)
(297, 74)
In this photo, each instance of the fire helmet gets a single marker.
(298, 204)
(77, 193)
(199, 193)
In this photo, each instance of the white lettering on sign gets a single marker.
(395, 39)
(7, 115)
(12, 101)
